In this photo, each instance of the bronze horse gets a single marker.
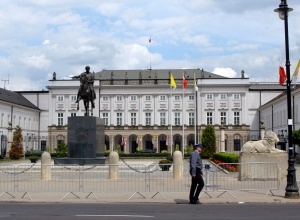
(87, 97)
(86, 91)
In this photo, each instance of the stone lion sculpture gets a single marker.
(267, 145)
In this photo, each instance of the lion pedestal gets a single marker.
(263, 166)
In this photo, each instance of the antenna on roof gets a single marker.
(6, 80)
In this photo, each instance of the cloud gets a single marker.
(227, 72)
(40, 37)
(46, 42)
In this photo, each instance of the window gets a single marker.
(209, 118)
(223, 96)
(237, 144)
(133, 98)
(60, 119)
(148, 118)
(236, 96)
(105, 117)
(105, 98)
(177, 118)
(162, 98)
(119, 118)
(119, 98)
(60, 98)
(148, 98)
(191, 118)
(236, 118)
(177, 98)
(73, 114)
(162, 118)
(73, 98)
(223, 118)
(133, 118)
(191, 98)
(209, 97)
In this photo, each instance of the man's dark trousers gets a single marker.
(197, 185)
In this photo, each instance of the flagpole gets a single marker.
(195, 111)
(171, 121)
(150, 52)
(182, 122)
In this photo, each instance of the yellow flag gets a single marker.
(173, 83)
(295, 74)
(195, 84)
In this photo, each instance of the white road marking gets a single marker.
(133, 216)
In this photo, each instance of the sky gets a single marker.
(223, 37)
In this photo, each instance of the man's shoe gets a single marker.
(192, 202)
(198, 202)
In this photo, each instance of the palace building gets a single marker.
(140, 108)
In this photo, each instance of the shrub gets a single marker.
(61, 150)
(189, 149)
(208, 142)
(226, 158)
(16, 151)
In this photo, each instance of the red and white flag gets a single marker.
(184, 81)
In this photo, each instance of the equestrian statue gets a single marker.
(86, 90)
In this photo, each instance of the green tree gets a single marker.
(296, 137)
(16, 151)
(208, 140)
(61, 150)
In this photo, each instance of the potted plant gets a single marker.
(33, 159)
(165, 164)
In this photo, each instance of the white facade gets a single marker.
(12, 115)
(274, 114)
(142, 110)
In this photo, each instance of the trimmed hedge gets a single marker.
(226, 158)
(33, 153)
(142, 155)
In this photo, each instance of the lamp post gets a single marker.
(291, 190)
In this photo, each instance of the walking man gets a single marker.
(196, 173)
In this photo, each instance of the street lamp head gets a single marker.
(283, 8)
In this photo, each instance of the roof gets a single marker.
(15, 98)
(265, 86)
(279, 96)
(160, 74)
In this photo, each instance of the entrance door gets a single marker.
(163, 146)
(43, 145)
(149, 145)
(134, 145)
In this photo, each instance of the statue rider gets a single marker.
(86, 77)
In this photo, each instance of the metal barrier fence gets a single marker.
(247, 177)
(136, 179)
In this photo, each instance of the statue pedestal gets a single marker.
(263, 166)
(85, 141)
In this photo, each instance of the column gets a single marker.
(222, 128)
(111, 143)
